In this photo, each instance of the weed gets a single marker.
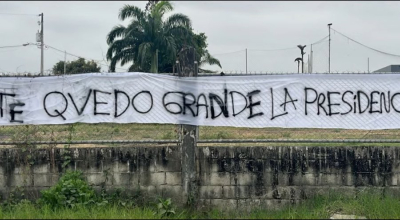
(147, 136)
(16, 196)
(66, 155)
(167, 136)
(138, 197)
(369, 205)
(286, 135)
(165, 208)
(70, 191)
(222, 135)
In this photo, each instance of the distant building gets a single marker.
(389, 69)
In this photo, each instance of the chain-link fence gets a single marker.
(79, 133)
(113, 133)
(210, 134)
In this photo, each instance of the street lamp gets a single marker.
(302, 58)
(298, 59)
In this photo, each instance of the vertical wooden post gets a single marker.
(188, 133)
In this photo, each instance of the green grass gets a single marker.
(370, 205)
(112, 131)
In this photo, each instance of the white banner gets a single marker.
(350, 101)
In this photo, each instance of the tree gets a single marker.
(150, 42)
(203, 57)
(77, 66)
(145, 36)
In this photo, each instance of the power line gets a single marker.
(68, 53)
(97, 61)
(18, 14)
(320, 40)
(376, 50)
(228, 52)
(289, 48)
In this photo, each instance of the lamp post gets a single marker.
(41, 46)
(329, 57)
(298, 59)
(302, 56)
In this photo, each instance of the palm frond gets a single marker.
(118, 45)
(115, 60)
(208, 59)
(129, 57)
(131, 11)
(161, 8)
(117, 31)
(124, 55)
(144, 51)
(135, 68)
(178, 20)
(170, 45)
(134, 29)
(206, 71)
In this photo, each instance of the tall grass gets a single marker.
(370, 205)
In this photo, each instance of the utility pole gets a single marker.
(42, 44)
(312, 64)
(329, 27)
(65, 62)
(246, 60)
(368, 64)
(188, 133)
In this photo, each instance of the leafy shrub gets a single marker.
(165, 208)
(16, 196)
(117, 198)
(70, 191)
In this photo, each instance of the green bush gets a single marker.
(70, 191)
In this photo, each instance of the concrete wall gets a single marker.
(228, 177)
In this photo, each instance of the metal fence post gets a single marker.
(188, 133)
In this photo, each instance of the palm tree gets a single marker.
(146, 35)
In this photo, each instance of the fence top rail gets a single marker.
(228, 73)
(205, 141)
(299, 141)
(91, 142)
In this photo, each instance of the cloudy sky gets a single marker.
(269, 30)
